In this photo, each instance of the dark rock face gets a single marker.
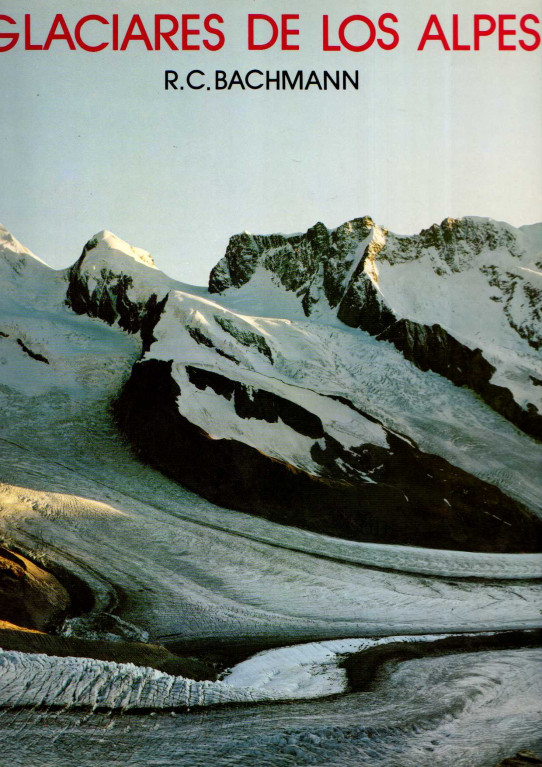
(200, 338)
(224, 471)
(240, 260)
(258, 403)
(109, 300)
(446, 502)
(245, 337)
(515, 290)
(400, 495)
(306, 264)
(148, 319)
(34, 355)
(363, 307)
(433, 348)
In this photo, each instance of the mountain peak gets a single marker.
(116, 282)
(295, 260)
(107, 245)
(14, 254)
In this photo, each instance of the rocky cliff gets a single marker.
(447, 298)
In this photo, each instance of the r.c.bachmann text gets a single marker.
(256, 79)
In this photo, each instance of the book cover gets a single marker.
(270, 383)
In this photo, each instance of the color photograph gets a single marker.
(271, 383)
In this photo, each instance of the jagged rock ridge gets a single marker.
(382, 283)
(318, 261)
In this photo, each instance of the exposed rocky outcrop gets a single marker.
(245, 337)
(394, 495)
(362, 305)
(200, 338)
(258, 403)
(104, 283)
(34, 355)
(30, 597)
(109, 300)
(516, 291)
(311, 265)
(433, 348)
(340, 267)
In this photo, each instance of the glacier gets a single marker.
(193, 571)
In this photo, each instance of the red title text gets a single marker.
(195, 32)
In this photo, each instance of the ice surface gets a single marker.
(455, 711)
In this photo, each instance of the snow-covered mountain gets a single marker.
(311, 425)
(251, 393)
(463, 298)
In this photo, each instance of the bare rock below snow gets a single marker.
(30, 597)
(433, 348)
(111, 281)
(392, 494)
(350, 270)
